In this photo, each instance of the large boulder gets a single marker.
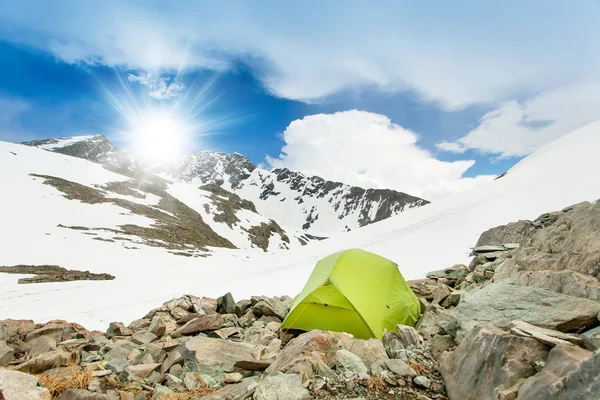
(489, 363)
(561, 256)
(19, 386)
(281, 386)
(271, 307)
(309, 353)
(371, 351)
(503, 302)
(570, 372)
(202, 323)
(514, 232)
(43, 362)
(218, 354)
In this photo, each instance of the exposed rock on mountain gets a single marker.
(96, 148)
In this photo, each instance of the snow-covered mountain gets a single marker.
(560, 174)
(295, 201)
(127, 206)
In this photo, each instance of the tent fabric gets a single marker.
(354, 291)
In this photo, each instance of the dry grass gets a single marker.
(71, 378)
(419, 369)
(376, 383)
(191, 394)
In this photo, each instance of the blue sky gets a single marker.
(431, 98)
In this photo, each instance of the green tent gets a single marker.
(354, 291)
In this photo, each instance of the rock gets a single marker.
(221, 355)
(176, 370)
(241, 307)
(400, 368)
(174, 357)
(208, 322)
(117, 365)
(305, 354)
(118, 329)
(54, 329)
(453, 299)
(161, 391)
(271, 307)
(179, 313)
(408, 335)
(562, 256)
(233, 377)
(546, 336)
(440, 294)
(502, 302)
(281, 386)
(6, 354)
(570, 372)
(139, 324)
(173, 382)
(158, 327)
(515, 232)
(591, 339)
(46, 361)
(42, 345)
(252, 365)
(12, 328)
(142, 370)
(226, 304)
(143, 337)
(440, 344)
(19, 386)
(242, 390)
(422, 381)
(349, 364)
(487, 361)
(392, 344)
(370, 351)
(80, 394)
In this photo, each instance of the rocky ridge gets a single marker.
(485, 332)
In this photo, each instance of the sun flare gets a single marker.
(160, 138)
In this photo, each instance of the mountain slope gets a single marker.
(419, 240)
(136, 208)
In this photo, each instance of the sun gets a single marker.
(159, 137)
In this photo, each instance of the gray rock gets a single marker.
(6, 354)
(349, 364)
(46, 361)
(422, 381)
(174, 357)
(370, 351)
(43, 345)
(271, 307)
(203, 323)
(176, 370)
(546, 336)
(309, 352)
(173, 382)
(161, 391)
(392, 344)
(242, 390)
(158, 327)
(400, 368)
(117, 365)
(562, 257)
(440, 344)
(503, 302)
(19, 386)
(408, 335)
(241, 307)
(570, 372)
(118, 329)
(226, 304)
(142, 370)
(489, 361)
(80, 394)
(233, 377)
(281, 386)
(591, 339)
(218, 354)
(143, 337)
(515, 232)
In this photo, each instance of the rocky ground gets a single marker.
(53, 273)
(520, 322)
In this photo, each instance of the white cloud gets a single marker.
(519, 128)
(464, 53)
(368, 150)
(160, 87)
(10, 126)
